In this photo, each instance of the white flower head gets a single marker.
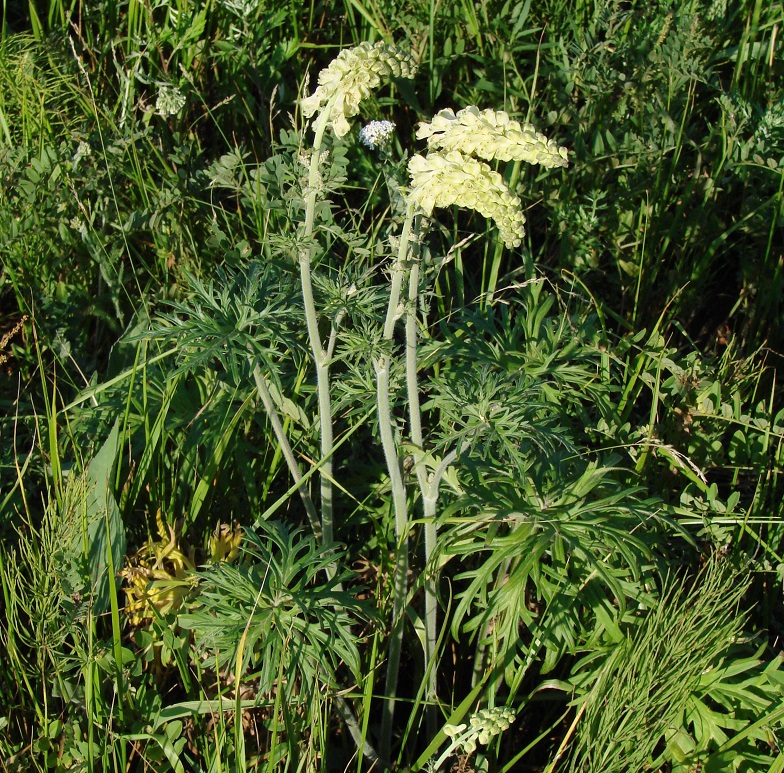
(352, 77)
(170, 101)
(490, 134)
(441, 180)
(377, 134)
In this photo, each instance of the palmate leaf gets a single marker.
(554, 355)
(563, 563)
(240, 317)
(724, 719)
(495, 416)
(277, 601)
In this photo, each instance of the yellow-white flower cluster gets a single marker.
(441, 180)
(484, 725)
(448, 175)
(490, 134)
(352, 77)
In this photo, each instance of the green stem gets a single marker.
(89, 694)
(391, 455)
(277, 427)
(447, 754)
(288, 454)
(320, 356)
(428, 499)
(360, 738)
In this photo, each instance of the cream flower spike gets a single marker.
(352, 77)
(490, 134)
(482, 727)
(442, 180)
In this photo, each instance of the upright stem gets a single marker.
(400, 584)
(392, 457)
(288, 454)
(428, 496)
(320, 356)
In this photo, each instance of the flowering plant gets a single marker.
(453, 171)
(448, 175)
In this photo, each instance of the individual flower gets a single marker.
(352, 77)
(376, 134)
(170, 101)
(441, 180)
(453, 731)
(490, 134)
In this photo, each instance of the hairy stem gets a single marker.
(320, 356)
(428, 499)
(400, 584)
(285, 447)
(392, 457)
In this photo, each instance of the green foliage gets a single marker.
(39, 101)
(56, 580)
(46, 585)
(633, 696)
(270, 617)
(610, 402)
(105, 531)
(240, 317)
(732, 716)
(648, 92)
(562, 562)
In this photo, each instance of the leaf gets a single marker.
(778, 765)
(166, 745)
(101, 510)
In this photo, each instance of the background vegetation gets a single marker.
(610, 538)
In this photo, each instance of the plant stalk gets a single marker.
(320, 357)
(428, 498)
(392, 457)
(288, 454)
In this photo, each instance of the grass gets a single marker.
(293, 477)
